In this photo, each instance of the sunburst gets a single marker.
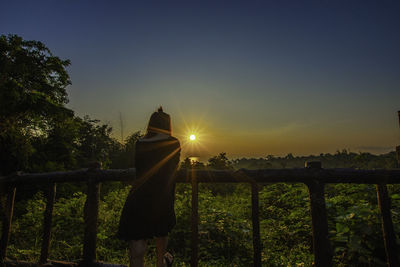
(194, 138)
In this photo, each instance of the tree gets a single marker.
(219, 162)
(32, 97)
(95, 142)
(58, 149)
(187, 163)
(123, 156)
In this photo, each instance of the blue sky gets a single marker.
(251, 78)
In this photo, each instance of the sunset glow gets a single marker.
(250, 80)
(192, 137)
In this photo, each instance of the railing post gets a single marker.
(195, 219)
(321, 245)
(47, 220)
(389, 236)
(256, 225)
(7, 220)
(398, 147)
(91, 212)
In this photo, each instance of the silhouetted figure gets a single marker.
(149, 209)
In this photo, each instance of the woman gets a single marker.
(149, 209)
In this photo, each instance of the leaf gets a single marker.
(342, 228)
(395, 196)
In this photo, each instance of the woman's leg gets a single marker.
(161, 246)
(137, 250)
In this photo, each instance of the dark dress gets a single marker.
(149, 208)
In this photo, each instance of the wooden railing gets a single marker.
(313, 176)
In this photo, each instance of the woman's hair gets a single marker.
(160, 122)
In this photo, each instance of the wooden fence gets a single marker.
(313, 176)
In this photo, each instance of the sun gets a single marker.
(193, 137)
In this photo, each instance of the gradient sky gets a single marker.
(250, 78)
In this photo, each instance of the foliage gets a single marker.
(341, 159)
(355, 225)
(219, 162)
(285, 225)
(37, 132)
(32, 96)
(95, 142)
(225, 228)
(124, 155)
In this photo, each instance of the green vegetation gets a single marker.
(225, 224)
(39, 134)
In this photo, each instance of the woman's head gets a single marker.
(160, 122)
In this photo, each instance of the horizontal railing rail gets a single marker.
(300, 175)
(314, 177)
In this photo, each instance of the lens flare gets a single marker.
(193, 132)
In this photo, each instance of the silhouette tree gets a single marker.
(32, 97)
(219, 162)
(187, 163)
(124, 156)
(37, 132)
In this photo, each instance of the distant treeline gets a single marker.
(341, 159)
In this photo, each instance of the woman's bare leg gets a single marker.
(161, 246)
(137, 250)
